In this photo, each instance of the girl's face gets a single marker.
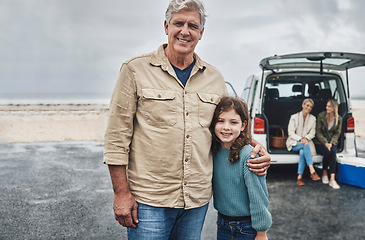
(329, 108)
(229, 127)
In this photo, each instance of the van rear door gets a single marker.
(338, 61)
(327, 60)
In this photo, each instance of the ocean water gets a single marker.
(82, 98)
(358, 103)
(72, 98)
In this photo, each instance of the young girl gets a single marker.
(240, 196)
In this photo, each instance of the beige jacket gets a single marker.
(308, 131)
(159, 129)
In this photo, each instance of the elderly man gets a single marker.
(157, 143)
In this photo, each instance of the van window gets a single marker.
(247, 88)
(286, 89)
(249, 91)
(251, 100)
(334, 90)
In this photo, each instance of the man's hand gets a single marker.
(259, 165)
(125, 210)
(124, 206)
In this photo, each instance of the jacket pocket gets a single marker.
(158, 107)
(207, 104)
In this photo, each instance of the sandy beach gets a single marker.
(77, 122)
(52, 122)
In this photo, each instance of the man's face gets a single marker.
(184, 32)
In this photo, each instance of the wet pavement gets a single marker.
(63, 191)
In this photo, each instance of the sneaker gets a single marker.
(325, 179)
(334, 185)
(300, 182)
(314, 176)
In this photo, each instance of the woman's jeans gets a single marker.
(305, 156)
(240, 230)
(160, 223)
(329, 157)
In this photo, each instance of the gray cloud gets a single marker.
(78, 46)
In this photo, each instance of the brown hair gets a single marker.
(226, 104)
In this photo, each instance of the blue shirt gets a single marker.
(239, 192)
(183, 75)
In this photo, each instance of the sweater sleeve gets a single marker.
(258, 199)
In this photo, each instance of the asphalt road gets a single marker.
(63, 191)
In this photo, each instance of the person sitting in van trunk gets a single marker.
(301, 131)
(328, 130)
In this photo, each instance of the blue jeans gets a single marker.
(240, 230)
(162, 223)
(305, 156)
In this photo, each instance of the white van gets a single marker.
(279, 90)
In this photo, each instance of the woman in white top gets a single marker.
(301, 131)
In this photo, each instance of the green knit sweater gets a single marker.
(239, 192)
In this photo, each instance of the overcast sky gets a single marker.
(78, 46)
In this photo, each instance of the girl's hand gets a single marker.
(261, 236)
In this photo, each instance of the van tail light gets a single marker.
(350, 127)
(259, 126)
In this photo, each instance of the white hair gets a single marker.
(177, 5)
